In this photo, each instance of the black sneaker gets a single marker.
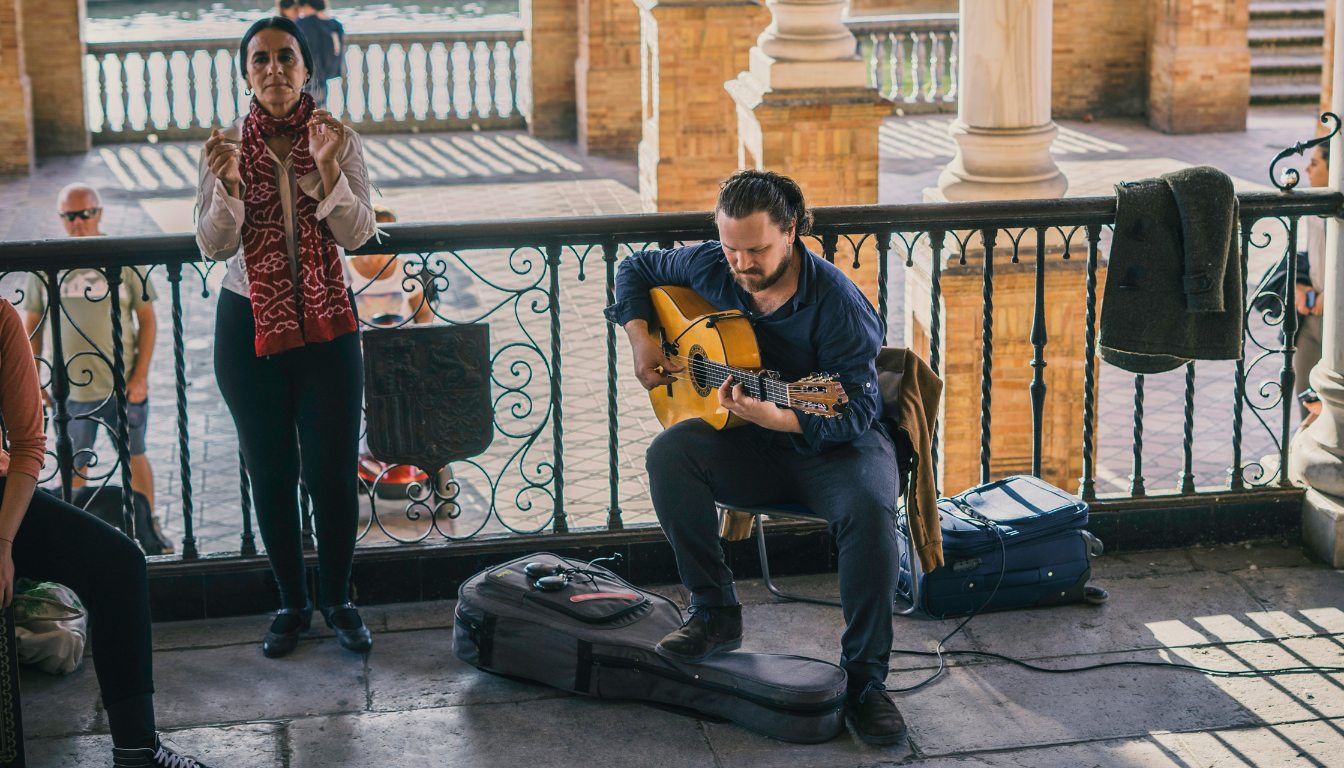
(708, 631)
(875, 716)
(160, 756)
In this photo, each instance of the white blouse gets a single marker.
(347, 210)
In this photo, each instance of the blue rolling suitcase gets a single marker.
(1018, 539)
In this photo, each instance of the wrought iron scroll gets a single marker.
(1291, 178)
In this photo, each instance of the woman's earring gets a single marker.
(247, 91)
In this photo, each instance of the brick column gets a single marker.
(962, 356)
(826, 140)
(688, 49)
(1199, 69)
(1103, 45)
(606, 77)
(16, 116)
(53, 42)
(551, 28)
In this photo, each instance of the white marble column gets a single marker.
(1003, 128)
(1316, 456)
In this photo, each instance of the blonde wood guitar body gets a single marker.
(711, 346)
(729, 340)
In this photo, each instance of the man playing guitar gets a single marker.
(808, 316)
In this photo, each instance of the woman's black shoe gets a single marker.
(283, 636)
(351, 632)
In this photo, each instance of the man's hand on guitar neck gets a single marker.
(758, 412)
(651, 365)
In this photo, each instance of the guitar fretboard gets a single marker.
(713, 374)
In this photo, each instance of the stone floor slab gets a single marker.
(427, 615)
(1296, 589)
(418, 670)
(237, 683)
(1298, 745)
(59, 706)
(1120, 624)
(241, 746)
(1240, 557)
(1125, 565)
(736, 747)
(570, 733)
(995, 707)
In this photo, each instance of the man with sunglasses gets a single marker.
(86, 341)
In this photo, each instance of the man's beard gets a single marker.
(757, 283)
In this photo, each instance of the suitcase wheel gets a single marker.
(1095, 595)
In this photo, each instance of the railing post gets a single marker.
(614, 522)
(936, 238)
(248, 544)
(988, 238)
(119, 390)
(883, 238)
(1288, 375)
(1038, 342)
(561, 525)
(60, 388)
(1136, 488)
(1087, 485)
(1235, 480)
(1188, 434)
(183, 436)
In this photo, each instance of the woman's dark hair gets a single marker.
(751, 191)
(285, 5)
(282, 24)
(1324, 149)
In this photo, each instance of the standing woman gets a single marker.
(282, 192)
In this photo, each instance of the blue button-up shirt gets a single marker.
(827, 326)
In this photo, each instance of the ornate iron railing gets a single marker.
(394, 83)
(571, 424)
(912, 58)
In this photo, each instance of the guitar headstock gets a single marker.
(818, 394)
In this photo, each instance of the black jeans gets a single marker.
(852, 486)
(296, 413)
(62, 543)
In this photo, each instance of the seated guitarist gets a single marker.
(808, 317)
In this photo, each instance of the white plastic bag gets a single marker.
(51, 626)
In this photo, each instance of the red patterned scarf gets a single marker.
(323, 310)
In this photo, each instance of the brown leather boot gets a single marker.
(707, 632)
(874, 715)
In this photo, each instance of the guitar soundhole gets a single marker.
(699, 371)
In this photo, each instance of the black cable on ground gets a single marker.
(938, 652)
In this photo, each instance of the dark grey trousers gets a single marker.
(854, 487)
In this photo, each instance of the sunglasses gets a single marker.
(86, 214)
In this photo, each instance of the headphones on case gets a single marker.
(553, 577)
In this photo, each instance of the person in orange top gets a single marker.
(43, 538)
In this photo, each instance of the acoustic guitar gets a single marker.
(711, 346)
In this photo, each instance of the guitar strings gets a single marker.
(712, 369)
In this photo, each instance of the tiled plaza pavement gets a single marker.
(410, 702)
(1094, 156)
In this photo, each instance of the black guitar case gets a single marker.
(596, 637)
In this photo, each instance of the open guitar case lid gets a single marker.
(596, 637)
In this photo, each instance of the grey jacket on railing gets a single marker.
(1175, 291)
(347, 211)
